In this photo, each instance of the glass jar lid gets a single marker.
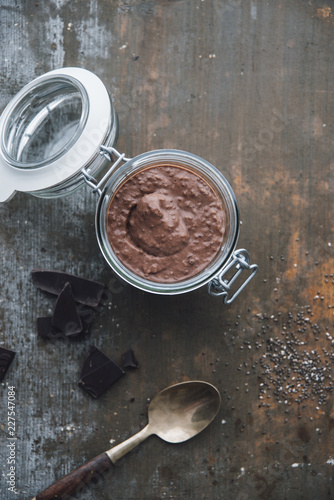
(52, 129)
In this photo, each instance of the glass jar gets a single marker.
(59, 132)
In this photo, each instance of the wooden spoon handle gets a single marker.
(70, 485)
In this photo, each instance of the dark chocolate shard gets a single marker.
(129, 359)
(87, 316)
(65, 315)
(6, 358)
(98, 373)
(46, 330)
(84, 290)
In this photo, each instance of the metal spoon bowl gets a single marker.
(187, 408)
(175, 414)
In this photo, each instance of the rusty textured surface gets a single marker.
(248, 85)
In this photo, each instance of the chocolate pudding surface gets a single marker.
(166, 224)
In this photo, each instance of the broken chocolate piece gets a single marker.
(46, 330)
(65, 315)
(84, 290)
(98, 373)
(129, 359)
(6, 357)
(87, 316)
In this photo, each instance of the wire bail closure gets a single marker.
(107, 152)
(222, 287)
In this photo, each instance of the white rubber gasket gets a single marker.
(84, 149)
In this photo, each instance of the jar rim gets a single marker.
(207, 172)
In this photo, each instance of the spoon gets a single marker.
(175, 414)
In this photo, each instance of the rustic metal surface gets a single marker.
(248, 85)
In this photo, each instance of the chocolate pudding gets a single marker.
(166, 224)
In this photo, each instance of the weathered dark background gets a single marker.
(248, 85)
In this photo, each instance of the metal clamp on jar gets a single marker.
(167, 221)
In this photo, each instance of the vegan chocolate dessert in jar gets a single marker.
(166, 224)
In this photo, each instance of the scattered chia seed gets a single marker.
(294, 372)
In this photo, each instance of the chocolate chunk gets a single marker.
(129, 359)
(84, 290)
(87, 316)
(46, 330)
(98, 373)
(65, 315)
(6, 357)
